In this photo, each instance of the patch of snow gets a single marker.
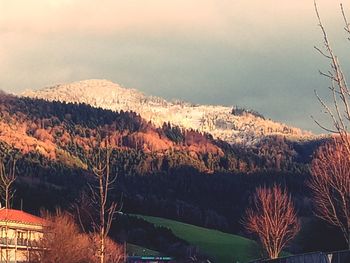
(216, 120)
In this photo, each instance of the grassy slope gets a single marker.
(221, 247)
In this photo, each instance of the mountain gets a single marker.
(162, 171)
(222, 122)
(55, 143)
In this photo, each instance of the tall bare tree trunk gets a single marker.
(102, 222)
(7, 197)
(101, 169)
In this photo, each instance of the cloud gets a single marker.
(105, 16)
(42, 16)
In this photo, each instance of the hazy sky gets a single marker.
(257, 54)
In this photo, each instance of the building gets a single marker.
(314, 257)
(19, 235)
(149, 259)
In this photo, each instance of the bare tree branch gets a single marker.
(347, 25)
(340, 110)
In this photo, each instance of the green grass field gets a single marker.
(219, 246)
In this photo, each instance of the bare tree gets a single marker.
(63, 242)
(7, 178)
(330, 184)
(339, 109)
(330, 180)
(272, 218)
(100, 196)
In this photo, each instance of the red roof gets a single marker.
(20, 217)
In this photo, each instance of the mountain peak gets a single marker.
(214, 119)
(90, 87)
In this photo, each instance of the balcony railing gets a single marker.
(7, 241)
(20, 242)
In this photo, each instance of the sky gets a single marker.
(255, 54)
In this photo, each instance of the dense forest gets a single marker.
(168, 172)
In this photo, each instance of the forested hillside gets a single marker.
(67, 133)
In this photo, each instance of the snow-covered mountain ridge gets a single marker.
(216, 120)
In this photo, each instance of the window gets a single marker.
(21, 238)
